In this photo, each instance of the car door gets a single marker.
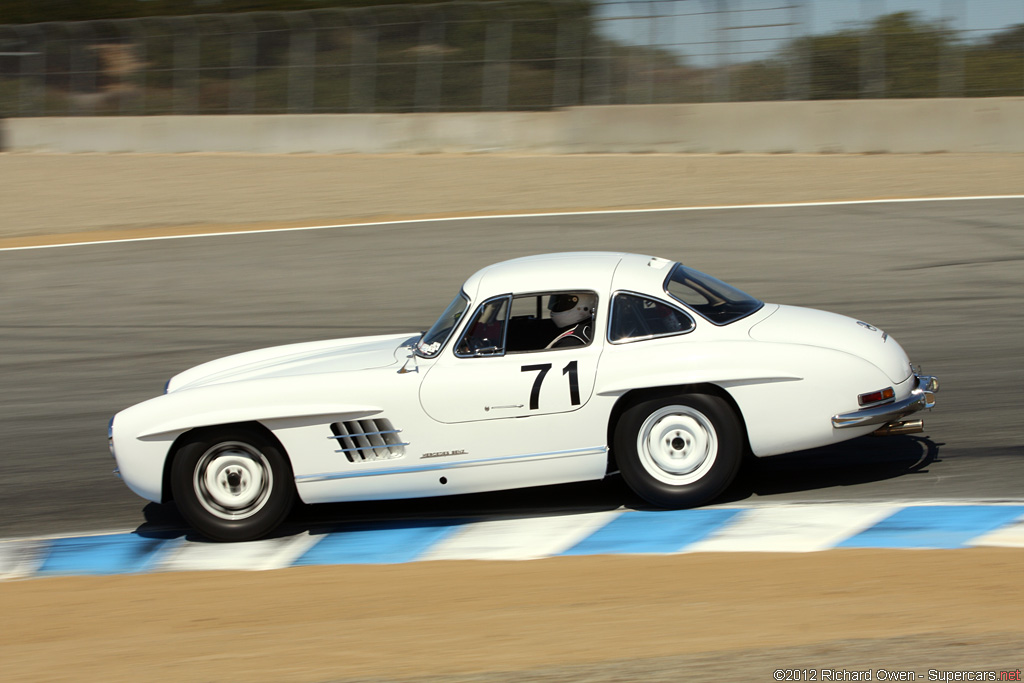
(502, 367)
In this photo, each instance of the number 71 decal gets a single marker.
(542, 370)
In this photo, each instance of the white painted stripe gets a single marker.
(760, 527)
(19, 559)
(1011, 536)
(793, 528)
(519, 539)
(598, 212)
(271, 553)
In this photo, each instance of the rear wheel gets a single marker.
(233, 484)
(679, 451)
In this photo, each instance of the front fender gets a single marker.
(252, 401)
(143, 434)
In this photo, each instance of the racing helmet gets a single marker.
(569, 309)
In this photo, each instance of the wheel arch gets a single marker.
(635, 396)
(166, 488)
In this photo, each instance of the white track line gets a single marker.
(600, 212)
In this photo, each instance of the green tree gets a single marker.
(995, 67)
(896, 55)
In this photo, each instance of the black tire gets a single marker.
(232, 484)
(679, 451)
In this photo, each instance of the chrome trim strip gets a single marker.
(921, 398)
(346, 436)
(371, 448)
(553, 455)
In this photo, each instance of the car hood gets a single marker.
(811, 327)
(335, 355)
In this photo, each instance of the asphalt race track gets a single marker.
(88, 330)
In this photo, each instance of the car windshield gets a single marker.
(718, 302)
(434, 339)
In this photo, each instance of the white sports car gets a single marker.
(542, 370)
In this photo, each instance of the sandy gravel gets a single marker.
(690, 617)
(697, 617)
(133, 195)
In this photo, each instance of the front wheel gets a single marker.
(680, 451)
(233, 484)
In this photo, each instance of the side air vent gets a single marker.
(367, 440)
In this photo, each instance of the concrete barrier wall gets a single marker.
(846, 126)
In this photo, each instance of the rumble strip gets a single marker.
(798, 527)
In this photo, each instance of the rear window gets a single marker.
(710, 297)
(636, 317)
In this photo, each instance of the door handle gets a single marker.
(490, 408)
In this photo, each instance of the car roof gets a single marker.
(595, 270)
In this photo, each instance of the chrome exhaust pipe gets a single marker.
(901, 427)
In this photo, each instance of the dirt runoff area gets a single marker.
(836, 615)
(713, 617)
(47, 197)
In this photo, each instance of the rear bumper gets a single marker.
(920, 398)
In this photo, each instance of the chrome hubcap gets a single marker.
(677, 445)
(233, 480)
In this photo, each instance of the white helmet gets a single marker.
(569, 309)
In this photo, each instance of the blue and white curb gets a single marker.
(799, 527)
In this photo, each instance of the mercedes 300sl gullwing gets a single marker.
(542, 370)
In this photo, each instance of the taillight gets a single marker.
(880, 396)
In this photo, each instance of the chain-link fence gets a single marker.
(505, 55)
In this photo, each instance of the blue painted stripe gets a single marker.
(631, 532)
(934, 526)
(652, 532)
(381, 543)
(113, 554)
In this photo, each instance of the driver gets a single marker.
(573, 314)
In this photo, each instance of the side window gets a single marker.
(554, 320)
(485, 333)
(636, 317)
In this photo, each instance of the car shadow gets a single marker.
(162, 522)
(859, 462)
